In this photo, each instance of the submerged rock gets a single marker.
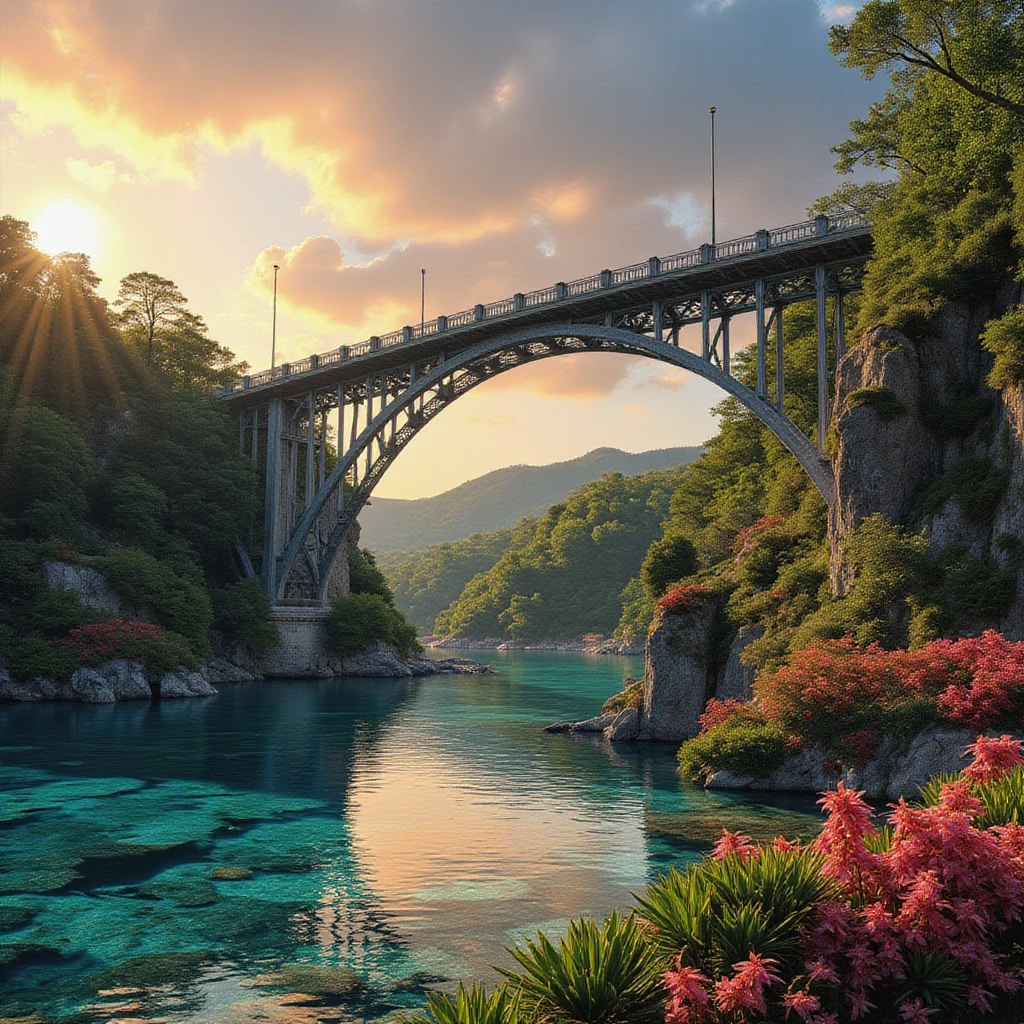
(312, 980)
(230, 873)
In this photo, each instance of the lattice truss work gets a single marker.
(325, 449)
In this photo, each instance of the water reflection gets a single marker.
(175, 861)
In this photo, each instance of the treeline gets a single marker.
(560, 575)
(114, 455)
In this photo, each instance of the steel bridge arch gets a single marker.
(321, 531)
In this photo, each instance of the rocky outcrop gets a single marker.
(183, 683)
(118, 680)
(908, 415)
(625, 727)
(222, 670)
(92, 588)
(737, 680)
(897, 770)
(676, 674)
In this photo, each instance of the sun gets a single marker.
(67, 226)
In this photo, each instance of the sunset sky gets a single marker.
(501, 145)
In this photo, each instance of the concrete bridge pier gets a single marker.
(303, 652)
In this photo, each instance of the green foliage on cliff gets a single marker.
(562, 574)
(359, 620)
(886, 403)
(105, 458)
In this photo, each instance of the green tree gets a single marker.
(979, 47)
(153, 318)
(668, 561)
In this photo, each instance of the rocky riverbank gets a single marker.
(121, 680)
(602, 646)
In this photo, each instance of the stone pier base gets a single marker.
(303, 651)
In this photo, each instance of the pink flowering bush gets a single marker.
(846, 697)
(98, 642)
(687, 598)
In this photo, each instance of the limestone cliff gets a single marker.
(921, 438)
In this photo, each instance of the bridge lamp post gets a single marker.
(712, 176)
(273, 326)
(423, 295)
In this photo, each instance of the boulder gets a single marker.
(598, 724)
(183, 683)
(626, 726)
(126, 680)
(90, 686)
(738, 679)
(676, 674)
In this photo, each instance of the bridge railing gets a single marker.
(760, 241)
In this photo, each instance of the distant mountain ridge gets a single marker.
(499, 499)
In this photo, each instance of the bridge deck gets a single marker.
(763, 255)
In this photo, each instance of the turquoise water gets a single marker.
(173, 861)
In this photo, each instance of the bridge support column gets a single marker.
(762, 373)
(272, 525)
(822, 297)
(780, 382)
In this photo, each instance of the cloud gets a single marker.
(833, 12)
(97, 176)
(670, 381)
(446, 122)
(683, 212)
(633, 409)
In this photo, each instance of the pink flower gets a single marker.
(802, 1003)
(734, 842)
(745, 991)
(993, 758)
(916, 1012)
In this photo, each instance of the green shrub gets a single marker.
(668, 561)
(471, 1006)
(241, 612)
(365, 578)
(976, 586)
(598, 975)
(974, 481)
(32, 657)
(887, 404)
(629, 697)
(1004, 338)
(741, 746)
(359, 620)
(715, 912)
(1002, 799)
(177, 600)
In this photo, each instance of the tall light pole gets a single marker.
(423, 294)
(712, 176)
(273, 329)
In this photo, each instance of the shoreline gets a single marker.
(610, 646)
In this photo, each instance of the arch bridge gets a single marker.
(379, 394)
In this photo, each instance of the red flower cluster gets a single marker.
(718, 712)
(749, 535)
(973, 681)
(684, 599)
(114, 638)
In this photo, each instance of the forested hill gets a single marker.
(499, 499)
(562, 574)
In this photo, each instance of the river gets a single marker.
(159, 861)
